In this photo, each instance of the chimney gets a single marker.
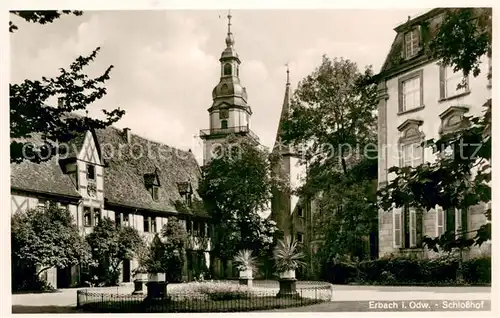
(126, 132)
(60, 102)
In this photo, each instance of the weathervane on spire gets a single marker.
(229, 16)
(229, 38)
(287, 73)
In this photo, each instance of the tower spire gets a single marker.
(287, 74)
(230, 37)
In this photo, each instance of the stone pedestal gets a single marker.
(288, 288)
(156, 290)
(246, 282)
(139, 286)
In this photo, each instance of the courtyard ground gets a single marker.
(345, 297)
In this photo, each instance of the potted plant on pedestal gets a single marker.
(288, 258)
(245, 262)
(140, 278)
(155, 265)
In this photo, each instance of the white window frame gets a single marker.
(412, 42)
(441, 226)
(414, 92)
(452, 78)
(397, 232)
(415, 148)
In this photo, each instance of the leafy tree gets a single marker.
(333, 125)
(42, 17)
(110, 245)
(459, 179)
(156, 257)
(332, 114)
(235, 187)
(348, 214)
(30, 114)
(175, 236)
(43, 238)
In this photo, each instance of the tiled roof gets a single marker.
(46, 177)
(429, 27)
(124, 175)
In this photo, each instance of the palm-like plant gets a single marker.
(245, 260)
(287, 255)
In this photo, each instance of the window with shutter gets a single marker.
(461, 222)
(440, 227)
(458, 221)
(413, 228)
(397, 225)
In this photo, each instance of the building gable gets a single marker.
(89, 150)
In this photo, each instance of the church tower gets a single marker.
(229, 113)
(286, 210)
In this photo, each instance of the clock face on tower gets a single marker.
(223, 114)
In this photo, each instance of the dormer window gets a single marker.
(154, 192)
(412, 42)
(228, 69)
(152, 183)
(186, 192)
(90, 172)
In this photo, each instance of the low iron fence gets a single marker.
(92, 301)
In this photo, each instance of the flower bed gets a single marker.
(201, 297)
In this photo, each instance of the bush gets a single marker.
(209, 290)
(411, 271)
(477, 270)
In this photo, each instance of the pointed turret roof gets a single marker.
(285, 114)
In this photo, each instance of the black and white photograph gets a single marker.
(244, 159)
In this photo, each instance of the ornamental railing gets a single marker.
(240, 300)
(227, 131)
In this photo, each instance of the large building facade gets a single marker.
(419, 100)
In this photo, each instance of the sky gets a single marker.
(166, 61)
